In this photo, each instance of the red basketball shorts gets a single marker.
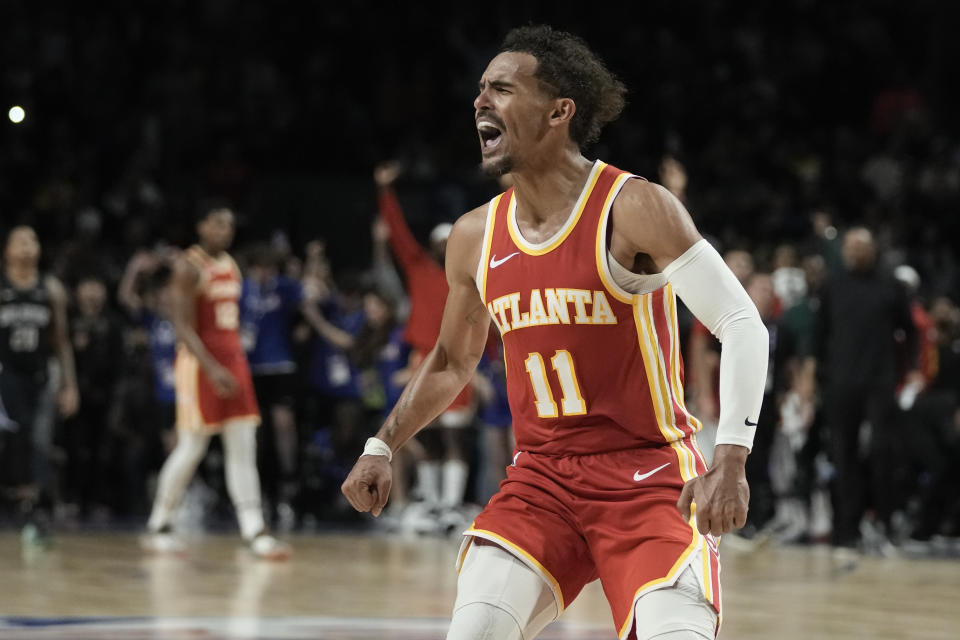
(611, 516)
(199, 407)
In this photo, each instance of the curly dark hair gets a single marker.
(566, 67)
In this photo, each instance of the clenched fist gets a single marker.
(368, 485)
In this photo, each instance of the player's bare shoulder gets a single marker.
(653, 220)
(648, 203)
(466, 243)
(185, 270)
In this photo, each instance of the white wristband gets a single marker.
(377, 447)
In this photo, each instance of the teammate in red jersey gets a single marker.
(214, 391)
(578, 265)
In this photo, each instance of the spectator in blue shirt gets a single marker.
(270, 303)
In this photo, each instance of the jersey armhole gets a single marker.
(481, 279)
(602, 250)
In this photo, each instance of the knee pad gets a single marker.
(494, 583)
(483, 621)
(679, 612)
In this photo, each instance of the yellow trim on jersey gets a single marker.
(464, 548)
(645, 349)
(670, 301)
(671, 576)
(660, 390)
(695, 425)
(668, 389)
(671, 390)
(670, 308)
(686, 453)
(663, 391)
(485, 250)
(601, 252)
(524, 556)
(234, 267)
(565, 230)
(658, 395)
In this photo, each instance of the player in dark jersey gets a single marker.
(33, 328)
(579, 265)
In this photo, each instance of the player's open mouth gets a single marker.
(490, 134)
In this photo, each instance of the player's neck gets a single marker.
(21, 276)
(551, 189)
(211, 251)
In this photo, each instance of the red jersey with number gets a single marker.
(604, 440)
(217, 311)
(591, 367)
(217, 323)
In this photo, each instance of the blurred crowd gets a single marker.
(859, 428)
(822, 161)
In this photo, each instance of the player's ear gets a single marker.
(563, 110)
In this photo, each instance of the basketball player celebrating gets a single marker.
(33, 326)
(578, 266)
(214, 392)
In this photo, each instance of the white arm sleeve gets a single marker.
(710, 290)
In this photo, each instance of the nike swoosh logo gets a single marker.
(747, 422)
(637, 476)
(494, 263)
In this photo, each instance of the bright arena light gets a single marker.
(16, 114)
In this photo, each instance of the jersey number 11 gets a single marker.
(572, 402)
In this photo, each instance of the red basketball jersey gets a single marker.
(590, 367)
(217, 311)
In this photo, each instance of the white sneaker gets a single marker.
(163, 542)
(269, 548)
(421, 518)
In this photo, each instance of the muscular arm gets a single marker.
(463, 335)
(441, 375)
(649, 219)
(69, 398)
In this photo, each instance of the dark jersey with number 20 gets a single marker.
(26, 319)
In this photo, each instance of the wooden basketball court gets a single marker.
(363, 586)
